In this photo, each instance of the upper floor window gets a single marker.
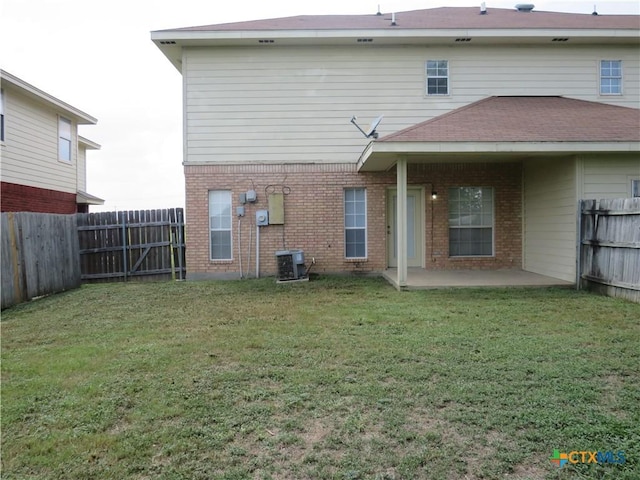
(355, 223)
(64, 139)
(635, 188)
(610, 77)
(470, 221)
(437, 77)
(1, 115)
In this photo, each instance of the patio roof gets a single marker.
(507, 127)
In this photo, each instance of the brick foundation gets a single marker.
(21, 198)
(314, 215)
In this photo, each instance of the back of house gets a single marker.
(437, 139)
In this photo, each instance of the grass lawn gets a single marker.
(338, 378)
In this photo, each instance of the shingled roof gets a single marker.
(434, 18)
(527, 119)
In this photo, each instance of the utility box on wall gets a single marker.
(276, 209)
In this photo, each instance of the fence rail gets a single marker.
(145, 244)
(610, 247)
(39, 255)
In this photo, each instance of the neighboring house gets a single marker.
(495, 124)
(43, 157)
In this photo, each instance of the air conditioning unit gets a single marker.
(290, 264)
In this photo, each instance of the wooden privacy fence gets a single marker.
(39, 255)
(610, 247)
(145, 244)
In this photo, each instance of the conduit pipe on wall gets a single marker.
(240, 245)
(257, 251)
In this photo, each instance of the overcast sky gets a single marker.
(97, 56)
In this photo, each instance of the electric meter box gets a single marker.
(262, 218)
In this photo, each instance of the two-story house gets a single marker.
(494, 124)
(43, 157)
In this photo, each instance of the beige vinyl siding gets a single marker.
(609, 177)
(30, 153)
(294, 104)
(82, 169)
(550, 217)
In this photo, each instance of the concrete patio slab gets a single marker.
(419, 278)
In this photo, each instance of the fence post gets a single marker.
(579, 245)
(124, 245)
(181, 247)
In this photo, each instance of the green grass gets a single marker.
(338, 378)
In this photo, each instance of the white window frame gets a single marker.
(634, 187)
(222, 222)
(1, 115)
(438, 75)
(467, 226)
(610, 76)
(359, 225)
(63, 139)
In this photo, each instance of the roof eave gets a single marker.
(88, 144)
(84, 198)
(78, 115)
(171, 42)
(381, 156)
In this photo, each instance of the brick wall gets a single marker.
(21, 198)
(314, 214)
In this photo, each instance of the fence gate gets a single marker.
(610, 247)
(145, 244)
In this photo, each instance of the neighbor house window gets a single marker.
(470, 221)
(610, 77)
(1, 115)
(64, 139)
(437, 77)
(635, 188)
(355, 222)
(220, 224)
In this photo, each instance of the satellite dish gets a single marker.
(372, 129)
(374, 125)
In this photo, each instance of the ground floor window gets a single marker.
(220, 224)
(470, 221)
(355, 222)
(635, 188)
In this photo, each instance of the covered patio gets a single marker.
(421, 279)
(539, 132)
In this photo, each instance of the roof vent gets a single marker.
(525, 7)
(483, 8)
(379, 12)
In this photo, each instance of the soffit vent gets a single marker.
(463, 39)
(365, 40)
(266, 40)
(167, 42)
(560, 39)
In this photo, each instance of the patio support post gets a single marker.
(401, 216)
